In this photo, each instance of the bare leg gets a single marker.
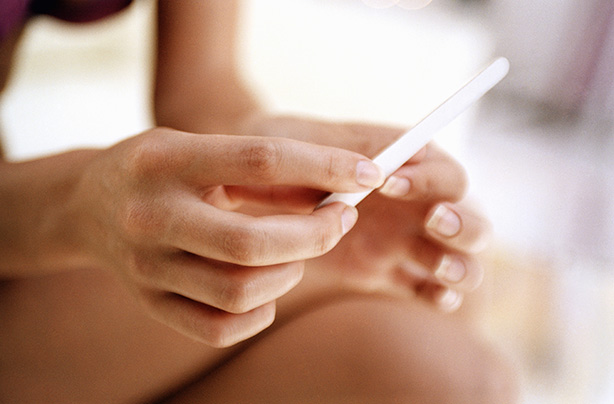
(361, 349)
(78, 337)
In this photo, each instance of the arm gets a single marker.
(34, 235)
(155, 210)
(36, 231)
(197, 84)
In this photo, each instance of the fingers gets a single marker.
(213, 273)
(445, 253)
(444, 298)
(257, 241)
(453, 234)
(221, 303)
(214, 300)
(430, 175)
(243, 160)
(453, 269)
(444, 258)
(458, 227)
(231, 288)
(286, 199)
(217, 303)
(204, 323)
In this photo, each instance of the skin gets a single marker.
(143, 271)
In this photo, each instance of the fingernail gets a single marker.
(450, 270)
(396, 186)
(348, 218)
(369, 174)
(444, 221)
(450, 300)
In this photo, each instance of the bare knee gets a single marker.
(363, 350)
(397, 353)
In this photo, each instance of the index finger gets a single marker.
(246, 160)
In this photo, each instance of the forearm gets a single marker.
(219, 106)
(38, 230)
(198, 86)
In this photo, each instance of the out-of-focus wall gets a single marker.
(562, 52)
(79, 85)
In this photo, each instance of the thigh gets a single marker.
(79, 337)
(361, 349)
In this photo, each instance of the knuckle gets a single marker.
(226, 329)
(262, 159)
(237, 296)
(149, 156)
(331, 167)
(218, 334)
(243, 245)
(323, 242)
(223, 334)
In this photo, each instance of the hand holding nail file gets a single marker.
(417, 137)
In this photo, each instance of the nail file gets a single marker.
(401, 150)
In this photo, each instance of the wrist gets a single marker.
(39, 225)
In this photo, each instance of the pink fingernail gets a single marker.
(451, 270)
(444, 221)
(369, 174)
(450, 300)
(396, 186)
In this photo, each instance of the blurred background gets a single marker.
(538, 149)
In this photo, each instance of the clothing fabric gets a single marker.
(15, 12)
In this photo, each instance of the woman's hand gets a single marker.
(415, 234)
(157, 210)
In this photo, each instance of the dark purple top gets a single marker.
(14, 12)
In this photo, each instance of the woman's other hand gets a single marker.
(416, 233)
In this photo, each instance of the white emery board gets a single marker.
(401, 150)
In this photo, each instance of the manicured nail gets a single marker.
(395, 186)
(369, 174)
(444, 221)
(348, 218)
(451, 270)
(450, 300)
